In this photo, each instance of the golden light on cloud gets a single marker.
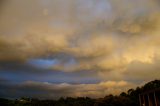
(114, 42)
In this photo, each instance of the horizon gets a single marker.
(77, 48)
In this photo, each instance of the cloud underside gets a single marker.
(45, 90)
(118, 40)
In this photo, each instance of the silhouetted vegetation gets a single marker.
(124, 99)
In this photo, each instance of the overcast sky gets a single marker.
(55, 48)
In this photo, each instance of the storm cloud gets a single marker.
(109, 40)
(45, 90)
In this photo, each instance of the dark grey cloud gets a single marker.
(45, 90)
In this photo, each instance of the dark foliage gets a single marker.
(124, 99)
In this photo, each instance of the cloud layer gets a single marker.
(45, 90)
(112, 40)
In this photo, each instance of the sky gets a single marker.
(59, 48)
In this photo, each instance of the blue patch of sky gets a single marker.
(43, 63)
(50, 75)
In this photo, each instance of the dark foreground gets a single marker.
(131, 98)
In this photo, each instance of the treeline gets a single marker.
(129, 98)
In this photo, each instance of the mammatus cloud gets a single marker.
(47, 90)
(118, 40)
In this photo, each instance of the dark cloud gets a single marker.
(45, 90)
(106, 39)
